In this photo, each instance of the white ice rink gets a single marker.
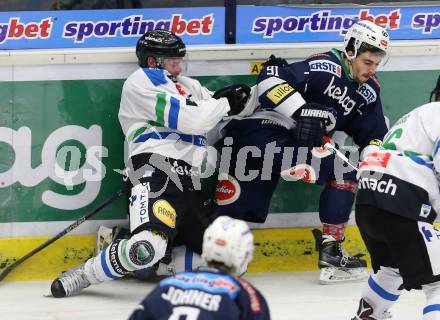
(291, 296)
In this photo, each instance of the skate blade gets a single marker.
(333, 275)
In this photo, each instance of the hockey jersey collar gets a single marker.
(156, 76)
(340, 57)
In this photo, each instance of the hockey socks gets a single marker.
(382, 290)
(432, 308)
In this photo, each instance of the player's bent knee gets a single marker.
(144, 249)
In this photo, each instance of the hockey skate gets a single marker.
(365, 312)
(70, 282)
(335, 263)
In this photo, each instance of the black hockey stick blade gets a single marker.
(104, 204)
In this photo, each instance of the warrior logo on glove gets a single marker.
(313, 121)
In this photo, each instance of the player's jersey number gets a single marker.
(184, 313)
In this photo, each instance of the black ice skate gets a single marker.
(332, 254)
(335, 263)
(70, 282)
(365, 312)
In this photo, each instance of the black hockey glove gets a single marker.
(313, 121)
(237, 95)
(275, 61)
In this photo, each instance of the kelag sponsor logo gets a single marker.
(60, 161)
(340, 96)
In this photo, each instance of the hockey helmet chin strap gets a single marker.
(350, 62)
(159, 62)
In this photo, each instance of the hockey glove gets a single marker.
(372, 146)
(313, 121)
(275, 61)
(237, 95)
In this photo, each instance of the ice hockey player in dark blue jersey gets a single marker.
(215, 292)
(300, 103)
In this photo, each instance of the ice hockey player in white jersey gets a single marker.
(165, 117)
(397, 202)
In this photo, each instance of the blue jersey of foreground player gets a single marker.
(323, 78)
(205, 294)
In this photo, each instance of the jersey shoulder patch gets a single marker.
(368, 91)
(325, 63)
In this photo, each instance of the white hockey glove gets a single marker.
(373, 146)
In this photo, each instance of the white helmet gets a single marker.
(366, 34)
(230, 242)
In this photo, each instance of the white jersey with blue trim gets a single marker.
(410, 152)
(168, 116)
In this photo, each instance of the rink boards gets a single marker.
(275, 250)
(55, 100)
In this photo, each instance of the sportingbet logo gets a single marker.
(387, 187)
(15, 30)
(134, 26)
(322, 21)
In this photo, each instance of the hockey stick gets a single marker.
(332, 148)
(104, 204)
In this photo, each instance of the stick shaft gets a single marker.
(104, 204)
(331, 147)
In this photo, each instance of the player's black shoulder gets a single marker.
(319, 56)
